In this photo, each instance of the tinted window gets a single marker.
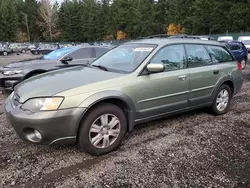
(219, 54)
(173, 57)
(197, 56)
(233, 46)
(82, 53)
(57, 54)
(100, 51)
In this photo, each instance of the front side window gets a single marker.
(219, 54)
(197, 56)
(125, 58)
(173, 57)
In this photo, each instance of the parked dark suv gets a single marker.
(239, 51)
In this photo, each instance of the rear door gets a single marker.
(204, 74)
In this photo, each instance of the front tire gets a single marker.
(102, 130)
(222, 100)
(5, 53)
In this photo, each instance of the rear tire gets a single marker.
(222, 100)
(5, 53)
(102, 129)
(23, 51)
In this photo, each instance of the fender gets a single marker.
(220, 82)
(112, 94)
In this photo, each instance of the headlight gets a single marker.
(42, 104)
(7, 73)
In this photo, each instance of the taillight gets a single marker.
(239, 66)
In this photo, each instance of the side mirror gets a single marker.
(154, 68)
(66, 59)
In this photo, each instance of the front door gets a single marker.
(164, 92)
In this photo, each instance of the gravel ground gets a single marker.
(194, 149)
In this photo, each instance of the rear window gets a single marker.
(233, 46)
(219, 54)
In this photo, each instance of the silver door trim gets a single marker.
(162, 97)
(202, 88)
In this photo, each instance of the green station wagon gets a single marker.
(139, 81)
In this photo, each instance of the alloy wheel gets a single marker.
(222, 100)
(104, 131)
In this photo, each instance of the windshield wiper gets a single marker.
(100, 67)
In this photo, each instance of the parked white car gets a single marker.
(224, 38)
(246, 41)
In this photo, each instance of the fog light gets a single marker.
(33, 135)
(38, 135)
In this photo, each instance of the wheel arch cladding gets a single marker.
(117, 98)
(226, 80)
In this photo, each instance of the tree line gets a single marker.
(96, 20)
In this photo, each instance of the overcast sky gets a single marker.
(59, 1)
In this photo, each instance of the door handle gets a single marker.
(216, 71)
(183, 77)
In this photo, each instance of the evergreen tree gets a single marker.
(9, 20)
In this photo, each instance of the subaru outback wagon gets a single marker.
(96, 105)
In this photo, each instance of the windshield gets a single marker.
(57, 54)
(246, 42)
(124, 58)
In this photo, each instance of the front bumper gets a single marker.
(9, 82)
(56, 127)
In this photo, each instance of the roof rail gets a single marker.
(154, 36)
(178, 37)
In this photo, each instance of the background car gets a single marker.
(239, 51)
(4, 50)
(43, 49)
(225, 38)
(14, 73)
(18, 47)
(246, 41)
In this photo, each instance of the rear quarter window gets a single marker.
(219, 54)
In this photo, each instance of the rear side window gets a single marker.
(82, 53)
(219, 54)
(100, 51)
(197, 56)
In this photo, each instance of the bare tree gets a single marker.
(48, 22)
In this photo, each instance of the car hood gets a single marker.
(25, 63)
(54, 82)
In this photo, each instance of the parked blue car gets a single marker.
(239, 51)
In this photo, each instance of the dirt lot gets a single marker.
(194, 149)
